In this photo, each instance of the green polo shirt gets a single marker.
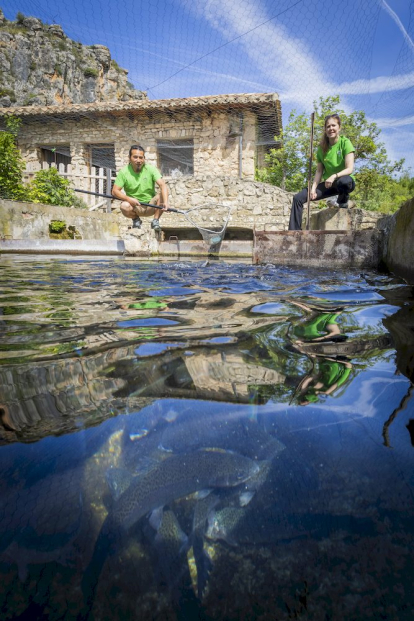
(333, 161)
(139, 185)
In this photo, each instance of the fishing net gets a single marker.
(210, 219)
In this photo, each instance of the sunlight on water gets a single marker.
(189, 441)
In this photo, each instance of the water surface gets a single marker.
(184, 440)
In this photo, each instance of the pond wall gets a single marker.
(24, 221)
(257, 227)
(399, 241)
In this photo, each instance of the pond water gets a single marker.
(204, 440)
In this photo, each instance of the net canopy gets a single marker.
(109, 69)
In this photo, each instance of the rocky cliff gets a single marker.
(40, 65)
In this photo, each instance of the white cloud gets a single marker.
(283, 59)
(381, 84)
(395, 122)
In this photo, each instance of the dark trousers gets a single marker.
(342, 186)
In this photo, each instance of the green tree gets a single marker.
(288, 163)
(11, 162)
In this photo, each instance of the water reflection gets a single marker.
(157, 460)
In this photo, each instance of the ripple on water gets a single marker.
(112, 372)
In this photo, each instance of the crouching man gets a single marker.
(139, 180)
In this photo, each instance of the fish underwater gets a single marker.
(238, 526)
(236, 434)
(171, 479)
(171, 545)
(202, 510)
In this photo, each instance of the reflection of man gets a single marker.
(138, 180)
(328, 375)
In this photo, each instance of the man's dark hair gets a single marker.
(136, 147)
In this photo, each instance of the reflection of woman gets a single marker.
(335, 157)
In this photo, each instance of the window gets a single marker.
(102, 156)
(56, 155)
(176, 157)
(266, 138)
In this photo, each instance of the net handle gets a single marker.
(310, 168)
(118, 199)
(170, 209)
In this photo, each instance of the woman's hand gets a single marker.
(330, 181)
(313, 194)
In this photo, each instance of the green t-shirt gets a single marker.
(334, 159)
(139, 185)
(315, 327)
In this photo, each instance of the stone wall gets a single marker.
(254, 204)
(215, 152)
(25, 221)
(399, 235)
(334, 219)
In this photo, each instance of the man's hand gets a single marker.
(134, 202)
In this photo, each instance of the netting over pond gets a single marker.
(108, 73)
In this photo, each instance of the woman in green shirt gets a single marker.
(335, 157)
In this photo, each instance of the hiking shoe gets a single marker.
(155, 224)
(343, 201)
(332, 201)
(136, 223)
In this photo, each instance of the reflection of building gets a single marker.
(228, 376)
(56, 394)
(199, 373)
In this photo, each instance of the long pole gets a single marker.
(310, 169)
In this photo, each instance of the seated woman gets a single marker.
(335, 157)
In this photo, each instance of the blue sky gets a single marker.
(301, 49)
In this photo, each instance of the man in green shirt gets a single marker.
(138, 181)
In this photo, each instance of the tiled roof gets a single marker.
(240, 100)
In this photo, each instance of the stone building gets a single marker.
(206, 147)
(227, 134)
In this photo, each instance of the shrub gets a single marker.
(114, 65)
(90, 72)
(12, 164)
(57, 226)
(50, 188)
